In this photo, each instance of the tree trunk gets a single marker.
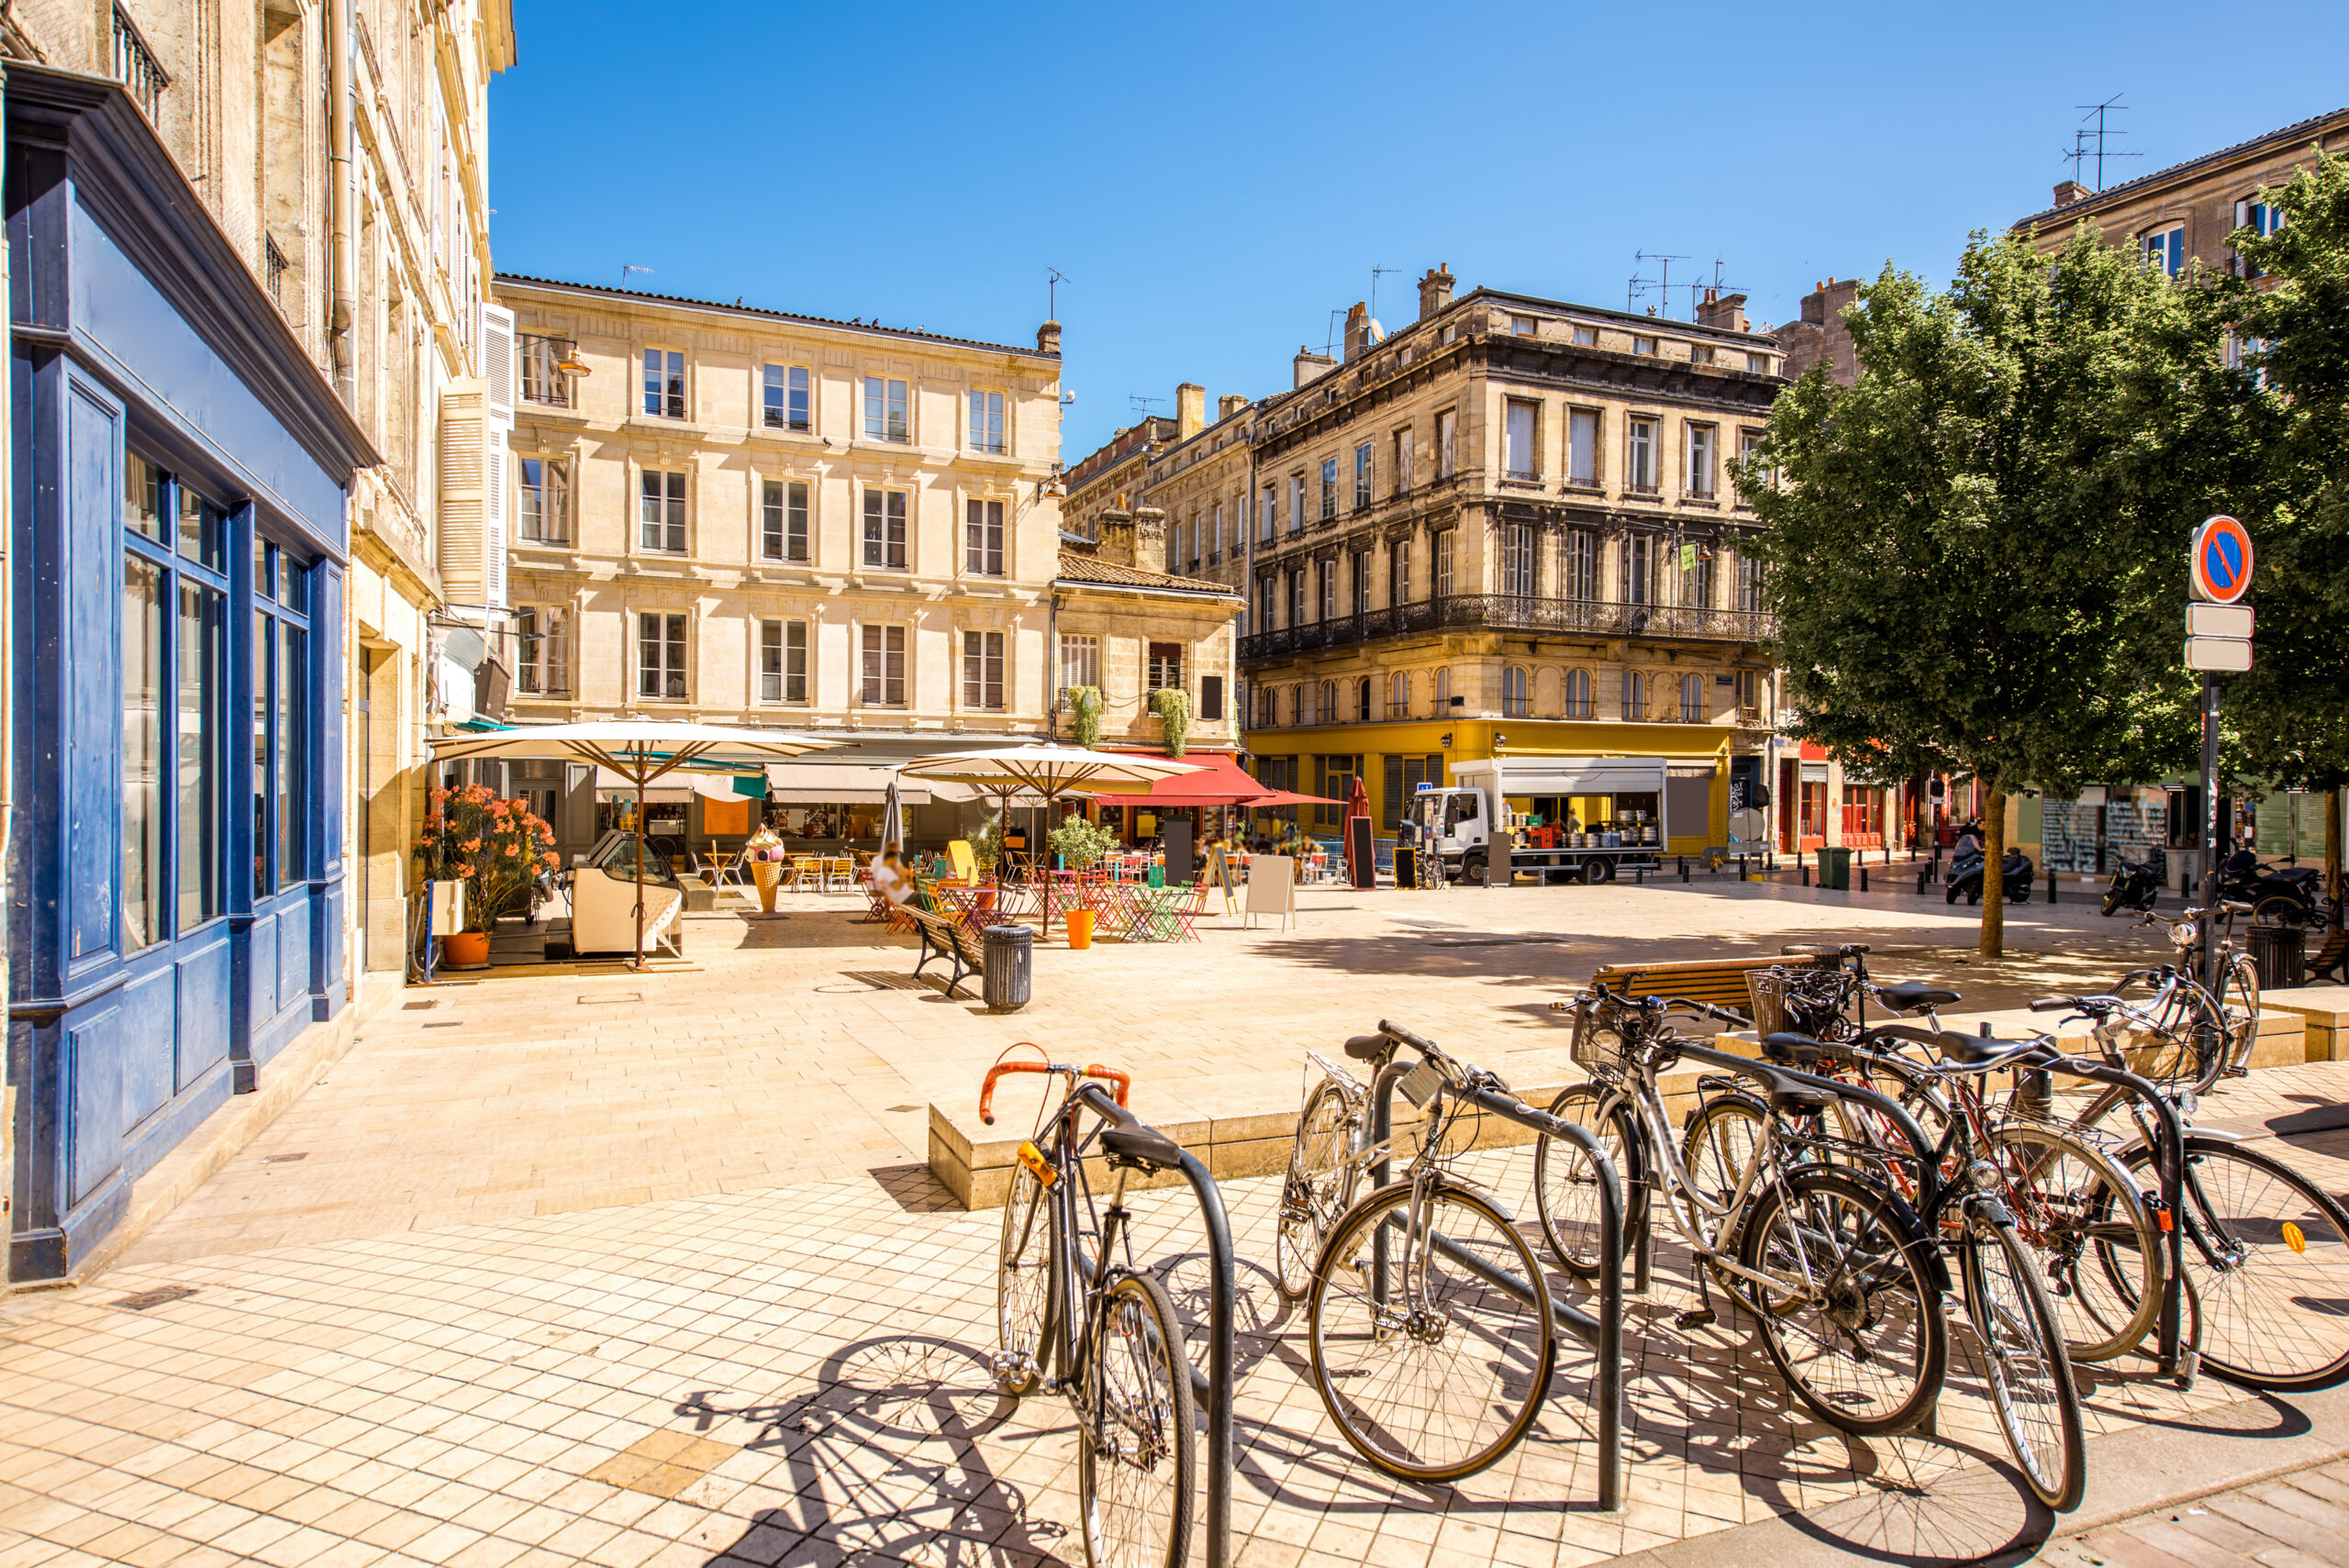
(1994, 875)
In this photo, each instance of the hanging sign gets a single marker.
(2219, 566)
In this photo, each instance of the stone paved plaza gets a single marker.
(594, 1267)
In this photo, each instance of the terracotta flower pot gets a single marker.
(1080, 927)
(465, 950)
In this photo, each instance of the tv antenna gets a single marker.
(1716, 286)
(627, 270)
(1141, 404)
(1053, 278)
(1662, 285)
(1376, 272)
(2082, 152)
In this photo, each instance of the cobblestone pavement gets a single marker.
(2293, 1521)
(796, 1376)
(792, 1050)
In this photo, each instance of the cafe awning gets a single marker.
(838, 783)
(1218, 781)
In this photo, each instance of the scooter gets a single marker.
(1966, 878)
(2278, 895)
(2135, 884)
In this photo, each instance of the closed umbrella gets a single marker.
(639, 750)
(1361, 863)
(893, 819)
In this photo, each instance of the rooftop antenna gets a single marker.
(1330, 343)
(1053, 278)
(1716, 286)
(1376, 272)
(1141, 404)
(2081, 152)
(627, 270)
(1663, 283)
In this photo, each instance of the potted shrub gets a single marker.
(1080, 846)
(494, 848)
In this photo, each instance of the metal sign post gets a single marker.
(2218, 636)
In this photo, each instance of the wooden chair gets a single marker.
(840, 871)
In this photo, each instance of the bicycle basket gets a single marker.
(1593, 1046)
(1767, 988)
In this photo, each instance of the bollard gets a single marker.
(1684, 868)
(1806, 871)
(2050, 885)
(1922, 874)
(1864, 878)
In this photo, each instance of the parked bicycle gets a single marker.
(1096, 1328)
(1844, 1277)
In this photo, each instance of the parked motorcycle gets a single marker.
(2278, 895)
(1966, 878)
(2134, 887)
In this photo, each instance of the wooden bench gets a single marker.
(2333, 958)
(1718, 981)
(943, 936)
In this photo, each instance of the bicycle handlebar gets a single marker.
(987, 1089)
(2058, 1004)
(1707, 1008)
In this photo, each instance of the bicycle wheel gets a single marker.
(1023, 1283)
(2189, 1048)
(1718, 1143)
(1310, 1198)
(2238, 1004)
(2269, 1254)
(1852, 1318)
(2023, 1353)
(2097, 1240)
(1425, 1354)
(1135, 1464)
(1565, 1184)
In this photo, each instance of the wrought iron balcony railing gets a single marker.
(1594, 618)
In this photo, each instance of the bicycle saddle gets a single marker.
(1367, 1047)
(1913, 994)
(1974, 1051)
(1786, 1094)
(1793, 1049)
(1143, 1145)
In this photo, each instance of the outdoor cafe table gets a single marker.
(1113, 905)
(1154, 910)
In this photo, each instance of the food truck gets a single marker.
(1563, 818)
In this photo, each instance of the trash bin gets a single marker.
(1007, 950)
(1835, 869)
(2282, 954)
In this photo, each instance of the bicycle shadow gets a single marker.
(889, 1460)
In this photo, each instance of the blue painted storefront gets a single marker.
(176, 675)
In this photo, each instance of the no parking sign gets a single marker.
(2219, 566)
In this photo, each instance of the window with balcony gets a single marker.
(540, 361)
(1635, 695)
(1080, 662)
(1325, 575)
(1697, 577)
(1578, 564)
(1165, 666)
(884, 529)
(1361, 582)
(1582, 446)
(987, 423)
(1361, 477)
(786, 404)
(1576, 701)
(1748, 443)
(1329, 489)
(1639, 569)
(1750, 585)
(1296, 502)
(1641, 473)
(1265, 595)
(1403, 460)
(1446, 555)
(1519, 543)
(542, 646)
(782, 661)
(1398, 573)
(662, 512)
(664, 383)
(783, 521)
(883, 651)
(1701, 466)
(1398, 694)
(661, 657)
(545, 500)
(1447, 444)
(1268, 516)
(983, 538)
(1692, 699)
(983, 671)
(887, 413)
(1296, 595)
(1513, 699)
(1519, 454)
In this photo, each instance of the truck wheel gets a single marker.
(1600, 873)
(1472, 868)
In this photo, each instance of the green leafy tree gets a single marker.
(1970, 547)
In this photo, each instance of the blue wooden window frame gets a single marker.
(284, 718)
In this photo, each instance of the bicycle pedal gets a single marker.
(2235, 1072)
(1696, 1317)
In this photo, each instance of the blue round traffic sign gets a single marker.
(2219, 566)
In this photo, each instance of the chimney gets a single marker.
(1116, 533)
(1725, 311)
(1358, 330)
(1435, 290)
(1231, 402)
(1149, 539)
(1190, 410)
(1048, 338)
(2070, 191)
(1307, 365)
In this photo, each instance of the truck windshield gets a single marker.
(1457, 809)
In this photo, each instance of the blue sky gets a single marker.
(1215, 180)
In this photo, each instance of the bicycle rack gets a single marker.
(1604, 1332)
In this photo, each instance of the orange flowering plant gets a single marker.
(496, 848)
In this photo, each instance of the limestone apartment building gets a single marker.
(744, 516)
(1507, 528)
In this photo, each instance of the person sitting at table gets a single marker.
(889, 878)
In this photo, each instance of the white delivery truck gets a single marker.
(1563, 818)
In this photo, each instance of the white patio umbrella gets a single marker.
(1048, 772)
(640, 750)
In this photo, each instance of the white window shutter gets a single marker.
(464, 568)
(494, 462)
(498, 359)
